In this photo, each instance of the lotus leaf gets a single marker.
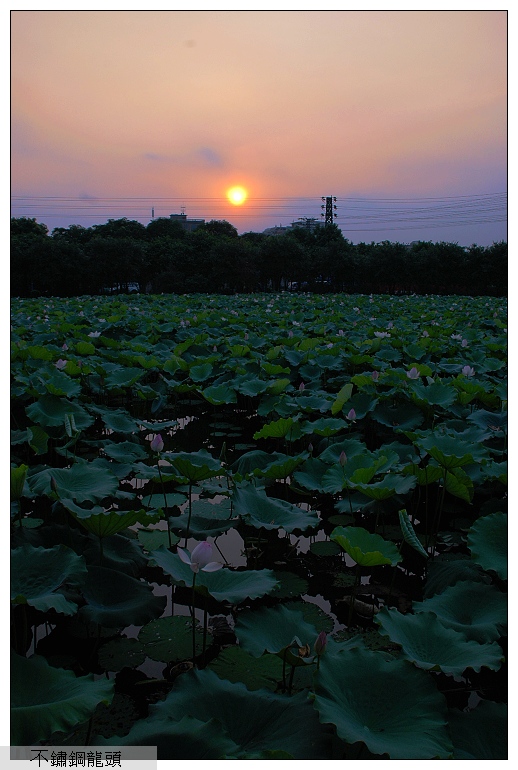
(441, 574)
(80, 482)
(409, 534)
(273, 629)
(194, 466)
(237, 665)
(281, 428)
(366, 549)
(151, 539)
(124, 451)
(219, 394)
(477, 610)
(390, 706)
(224, 585)
(123, 377)
(170, 639)
(430, 645)
(487, 541)
(120, 653)
(116, 600)
(50, 411)
(256, 721)
(45, 699)
(264, 512)
(480, 733)
(38, 573)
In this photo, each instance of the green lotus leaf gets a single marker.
(45, 699)
(487, 541)
(85, 348)
(100, 522)
(480, 733)
(219, 394)
(194, 466)
(38, 439)
(252, 386)
(325, 548)
(401, 416)
(157, 500)
(123, 377)
(252, 461)
(37, 574)
(200, 372)
(224, 585)
(170, 639)
(18, 476)
(120, 653)
(311, 474)
(116, 600)
(325, 426)
(207, 520)
(256, 721)
(435, 394)
(60, 384)
(494, 422)
(362, 403)
(366, 549)
(448, 451)
(430, 645)
(282, 428)
(50, 411)
(273, 629)
(392, 484)
(344, 395)
(313, 615)
(477, 610)
(409, 534)
(350, 446)
(441, 574)
(152, 539)
(237, 665)
(117, 420)
(80, 482)
(117, 552)
(261, 511)
(289, 585)
(281, 467)
(407, 717)
(186, 739)
(124, 451)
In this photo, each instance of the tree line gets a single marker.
(124, 255)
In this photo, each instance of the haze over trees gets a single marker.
(124, 255)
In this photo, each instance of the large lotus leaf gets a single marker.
(284, 427)
(118, 552)
(448, 451)
(116, 600)
(494, 422)
(104, 523)
(311, 474)
(117, 420)
(151, 539)
(477, 610)
(264, 512)
(124, 451)
(123, 377)
(120, 653)
(325, 426)
(157, 500)
(224, 585)
(51, 410)
(289, 585)
(343, 395)
(200, 372)
(251, 461)
(281, 467)
(273, 629)
(80, 482)
(37, 573)
(402, 416)
(251, 386)
(45, 699)
(207, 520)
(392, 484)
(430, 645)
(350, 446)
(194, 466)
(362, 404)
(60, 384)
(219, 394)
(391, 706)
(487, 541)
(256, 721)
(189, 738)
(480, 733)
(170, 639)
(435, 394)
(441, 574)
(366, 549)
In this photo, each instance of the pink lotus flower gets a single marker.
(199, 559)
(321, 643)
(94, 334)
(301, 386)
(413, 374)
(464, 343)
(64, 346)
(60, 363)
(468, 371)
(351, 415)
(343, 458)
(375, 375)
(157, 443)
(381, 335)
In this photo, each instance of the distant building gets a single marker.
(307, 223)
(188, 224)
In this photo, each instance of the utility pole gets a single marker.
(330, 209)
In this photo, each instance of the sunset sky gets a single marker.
(399, 114)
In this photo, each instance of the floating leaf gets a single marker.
(366, 549)
(38, 573)
(273, 629)
(487, 541)
(261, 511)
(480, 733)
(80, 482)
(115, 600)
(169, 640)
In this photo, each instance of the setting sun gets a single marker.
(237, 195)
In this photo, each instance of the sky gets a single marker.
(400, 115)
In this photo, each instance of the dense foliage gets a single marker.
(162, 257)
(268, 527)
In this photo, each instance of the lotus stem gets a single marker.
(193, 618)
(290, 684)
(165, 502)
(205, 619)
(189, 517)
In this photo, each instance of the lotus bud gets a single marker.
(157, 444)
(343, 458)
(375, 375)
(310, 449)
(413, 374)
(464, 343)
(60, 363)
(321, 643)
(351, 415)
(301, 386)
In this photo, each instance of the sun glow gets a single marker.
(237, 195)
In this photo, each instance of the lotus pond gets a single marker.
(260, 527)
